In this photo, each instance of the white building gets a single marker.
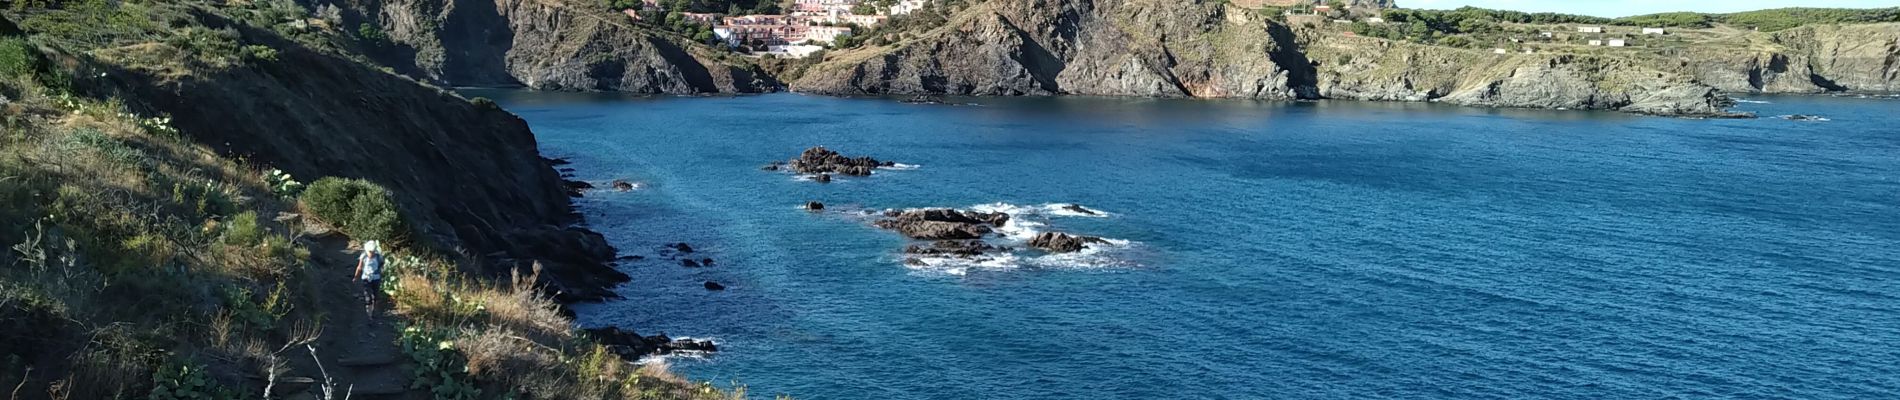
(793, 51)
(1596, 43)
(1500, 51)
(1547, 35)
(1618, 43)
(1376, 20)
(1589, 29)
(906, 7)
(1655, 31)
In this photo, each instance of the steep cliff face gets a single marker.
(1372, 69)
(1209, 49)
(545, 45)
(470, 177)
(1110, 47)
(1809, 59)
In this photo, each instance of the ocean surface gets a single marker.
(1335, 250)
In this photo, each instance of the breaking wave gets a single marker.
(1025, 223)
(1752, 101)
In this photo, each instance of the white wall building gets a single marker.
(1618, 43)
(1655, 31)
(1589, 29)
(906, 7)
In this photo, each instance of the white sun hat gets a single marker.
(371, 245)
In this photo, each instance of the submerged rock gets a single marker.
(631, 346)
(1058, 242)
(953, 248)
(814, 206)
(822, 178)
(624, 186)
(1078, 208)
(710, 285)
(689, 263)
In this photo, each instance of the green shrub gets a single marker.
(361, 209)
(187, 382)
(17, 58)
(484, 103)
(243, 230)
(260, 53)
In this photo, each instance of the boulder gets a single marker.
(822, 178)
(1058, 242)
(710, 285)
(814, 206)
(623, 186)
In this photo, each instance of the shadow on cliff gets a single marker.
(1302, 73)
(468, 176)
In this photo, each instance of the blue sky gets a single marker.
(1620, 8)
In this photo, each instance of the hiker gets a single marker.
(369, 271)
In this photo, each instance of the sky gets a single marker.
(1623, 8)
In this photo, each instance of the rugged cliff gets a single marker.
(1808, 59)
(469, 176)
(1209, 49)
(542, 44)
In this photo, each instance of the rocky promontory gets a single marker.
(1217, 50)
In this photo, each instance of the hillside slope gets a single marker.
(1210, 49)
(159, 246)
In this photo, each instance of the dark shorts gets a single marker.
(370, 288)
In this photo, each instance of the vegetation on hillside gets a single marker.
(1767, 20)
(141, 263)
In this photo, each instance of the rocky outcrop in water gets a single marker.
(821, 161)
(631, 346)
(942, 223)
(952, 248)
(1058, 242)
(1214, 50)
(546, 45)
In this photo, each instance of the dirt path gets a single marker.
(359, 353)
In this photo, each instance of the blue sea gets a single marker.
(1328, 250)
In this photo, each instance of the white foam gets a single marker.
(1752, 101)
(901, 167)
(1809, 119)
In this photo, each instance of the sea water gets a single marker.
(1259, 249)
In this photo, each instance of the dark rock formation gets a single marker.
(814, 206)
(545, 45)
(681, 247)
(1058, 242)
(623, 186)
(710, 285)
(821, 161)
(689, 263)
(953, 248)
(706, 261)
(822, 178)
(631, 346)
(1078, 208)
(941, 224)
